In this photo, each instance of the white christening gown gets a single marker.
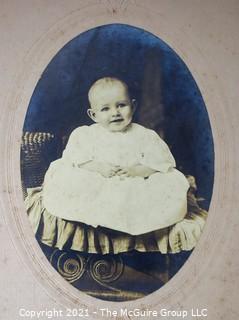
(133, 205)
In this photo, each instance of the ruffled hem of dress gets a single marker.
(59, 233)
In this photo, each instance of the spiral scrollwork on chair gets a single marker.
(70, 265)
(106, 269)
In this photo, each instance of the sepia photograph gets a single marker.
(117, 162)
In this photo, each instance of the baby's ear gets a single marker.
(134, 104)
(91, 114)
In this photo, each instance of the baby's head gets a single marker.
(110, 104)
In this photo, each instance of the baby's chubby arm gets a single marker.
(80, 154)
(107, 170)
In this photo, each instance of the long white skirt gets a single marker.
(132, 205)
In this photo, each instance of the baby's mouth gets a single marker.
(117, 120)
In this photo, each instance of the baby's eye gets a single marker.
(105, 109)
(121, 105)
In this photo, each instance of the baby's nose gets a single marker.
(116, 112)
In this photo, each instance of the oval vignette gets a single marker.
(99, 261)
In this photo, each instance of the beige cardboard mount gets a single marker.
(205, 35)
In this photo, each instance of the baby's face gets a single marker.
(111, 106)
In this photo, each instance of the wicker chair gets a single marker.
(38, 150)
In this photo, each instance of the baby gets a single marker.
(115, 173)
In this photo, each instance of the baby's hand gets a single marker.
(108, 170)
(135, 171)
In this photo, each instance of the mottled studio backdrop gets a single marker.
(169, 100)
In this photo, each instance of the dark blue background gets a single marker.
(169, 100)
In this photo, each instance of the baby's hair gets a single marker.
(105, 82)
